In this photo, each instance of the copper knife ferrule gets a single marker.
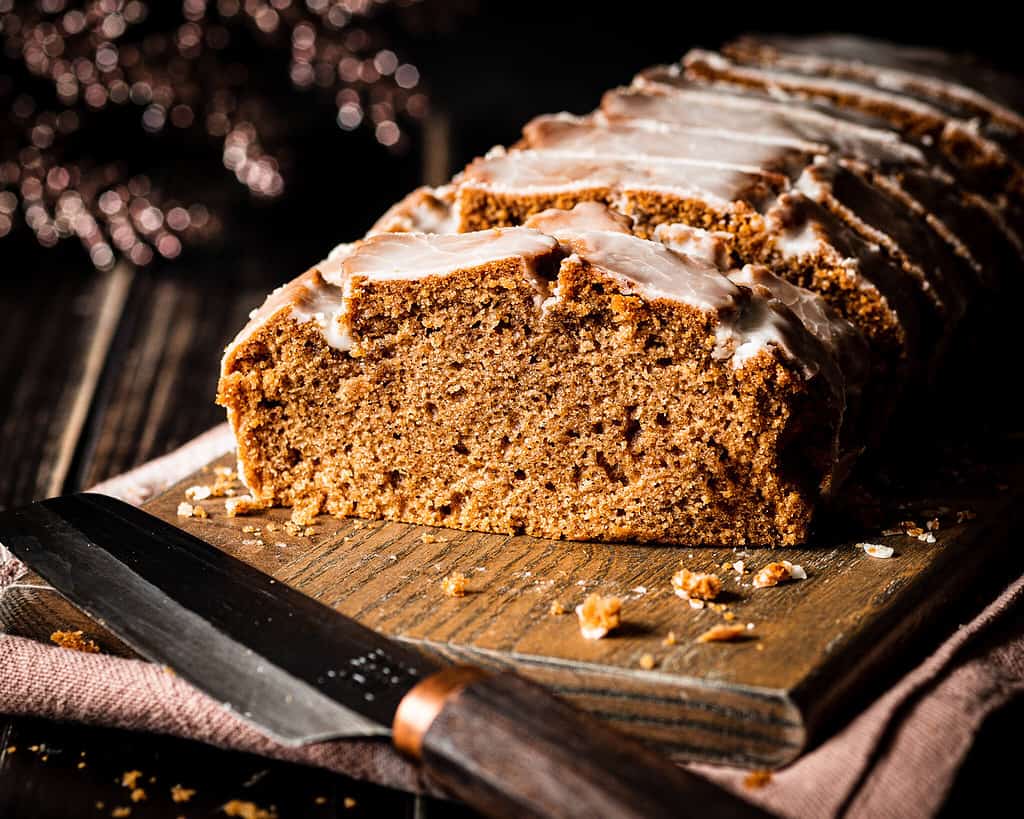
(424, 701)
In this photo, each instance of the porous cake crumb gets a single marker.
(454, 584)
(640, 352)
(695, 585)
(598, 616)
(507, 353)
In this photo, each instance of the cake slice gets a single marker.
(844, 186)
(425, 210)
(996, 121)
(984, 232)
(592, 385)
(859, 279)
(758, 118)
(505, 188)
(984, 161)
(852, 352)
(965, 70)
(597, 136)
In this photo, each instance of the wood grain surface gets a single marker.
(816, 645)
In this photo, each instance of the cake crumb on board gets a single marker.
(454, 584)
(696, 585)
(598, 616)
(723, 634)
(778, 572)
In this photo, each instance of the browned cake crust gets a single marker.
(461, 403)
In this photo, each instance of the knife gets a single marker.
(301, 672)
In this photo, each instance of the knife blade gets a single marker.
(301, 672)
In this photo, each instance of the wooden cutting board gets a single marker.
(816, 644)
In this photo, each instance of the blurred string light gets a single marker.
(74, 63)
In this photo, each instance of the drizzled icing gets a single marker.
(787, 54)
(425, 210)
(746, 323)
(324, 305)
(712, 246)
(790, 83)
(584, 216)
(411, 256)
(653, 98)
(592, 136)
(522, 172)
(652, 270)
(842, 338)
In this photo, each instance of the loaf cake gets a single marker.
(681, 318)
(564, 384)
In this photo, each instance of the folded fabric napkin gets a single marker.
(898, 758)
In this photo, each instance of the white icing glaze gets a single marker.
(746, 323)
(792, 83)
(711, 246)
(583, 216)
(653, 271)
(842, 339)
(400, 256)
(525, 172)
(425, 210)
(652, 98)
(799, 240)
(325, 306)
(410, 256)
(330, 268)
(591, 136)
(899, 80)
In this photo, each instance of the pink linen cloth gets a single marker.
(899, 757)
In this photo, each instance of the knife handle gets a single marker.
(510, 749)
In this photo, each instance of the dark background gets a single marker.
(489, 67)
